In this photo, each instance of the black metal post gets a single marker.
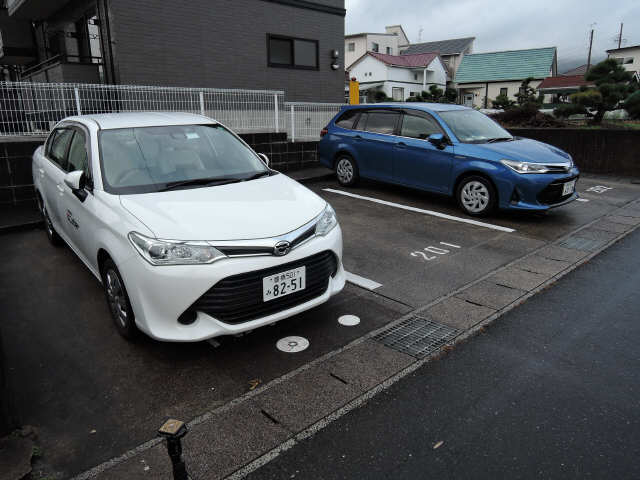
(173, 431)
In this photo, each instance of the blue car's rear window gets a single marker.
(347, 119)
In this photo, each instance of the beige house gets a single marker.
(481, 77)
(628, 57)
(389, 43)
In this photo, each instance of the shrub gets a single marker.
(526, 115)
(451, 95)
(379, 96)
(565, 111)
(502, 101)
(632, 105)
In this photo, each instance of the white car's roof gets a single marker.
(108, 121)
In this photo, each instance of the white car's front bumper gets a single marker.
(160, 294)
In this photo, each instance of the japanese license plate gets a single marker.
(568, 187)
(283, 283)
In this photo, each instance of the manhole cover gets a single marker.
(292, 344)
(581, 243)
(417, 336)
(348, 320)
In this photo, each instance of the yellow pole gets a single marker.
(354, 92)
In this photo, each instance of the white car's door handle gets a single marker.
(60, 187)
(41, 170)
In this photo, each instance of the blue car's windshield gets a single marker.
(471, 126)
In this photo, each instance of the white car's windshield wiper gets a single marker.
(200, 181)
(500, 139)
(266, 173)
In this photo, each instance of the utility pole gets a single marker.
(620, 36)
(590, 44)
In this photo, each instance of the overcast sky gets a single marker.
(503, 25)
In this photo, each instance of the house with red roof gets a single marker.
(562, 86)
(399, 76)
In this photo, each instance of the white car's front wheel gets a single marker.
(118, 300)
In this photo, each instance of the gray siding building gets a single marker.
(291, 45)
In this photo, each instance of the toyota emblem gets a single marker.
(281, 248)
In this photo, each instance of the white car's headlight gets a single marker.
(173, 252)
(525, 167)
(327, 221)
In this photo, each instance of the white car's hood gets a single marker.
(261, 208)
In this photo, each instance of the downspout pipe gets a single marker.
(486, 95)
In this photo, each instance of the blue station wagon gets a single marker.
(451, 150)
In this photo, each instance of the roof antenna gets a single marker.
(420, 34)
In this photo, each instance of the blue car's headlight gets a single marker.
(525, 167)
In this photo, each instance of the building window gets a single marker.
(388, 50)
(292, 52)
(415, 76)
(503, 91)
(351, 47)
(375, 47)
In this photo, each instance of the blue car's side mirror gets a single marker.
(437, 139)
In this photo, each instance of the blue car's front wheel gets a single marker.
(476, 196)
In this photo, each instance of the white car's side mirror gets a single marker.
(264, 158)
(74, 179)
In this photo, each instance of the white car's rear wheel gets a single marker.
(52, 235)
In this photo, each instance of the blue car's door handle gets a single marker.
(401, 145)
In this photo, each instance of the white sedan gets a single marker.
(190, 232)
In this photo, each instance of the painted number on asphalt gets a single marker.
(435, 251)
(599, 189)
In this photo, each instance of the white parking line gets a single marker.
(420, 210)
(361, 281)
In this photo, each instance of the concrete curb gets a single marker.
(630, 221)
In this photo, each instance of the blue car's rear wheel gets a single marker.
(346, 170)
(476, 196)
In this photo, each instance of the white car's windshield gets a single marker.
(151, 159)
(471, 126)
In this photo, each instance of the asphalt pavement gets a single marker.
(551, 390)
(93, 395)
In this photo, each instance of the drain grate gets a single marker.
(417, 336)
(582, 243)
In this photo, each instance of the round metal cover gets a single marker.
(348, 320)
(292, 344)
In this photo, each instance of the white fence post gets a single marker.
(77, 94)
(201, 103)
(293, 124)
(275, 111)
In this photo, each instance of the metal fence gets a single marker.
(33, 108)
(304, 120)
